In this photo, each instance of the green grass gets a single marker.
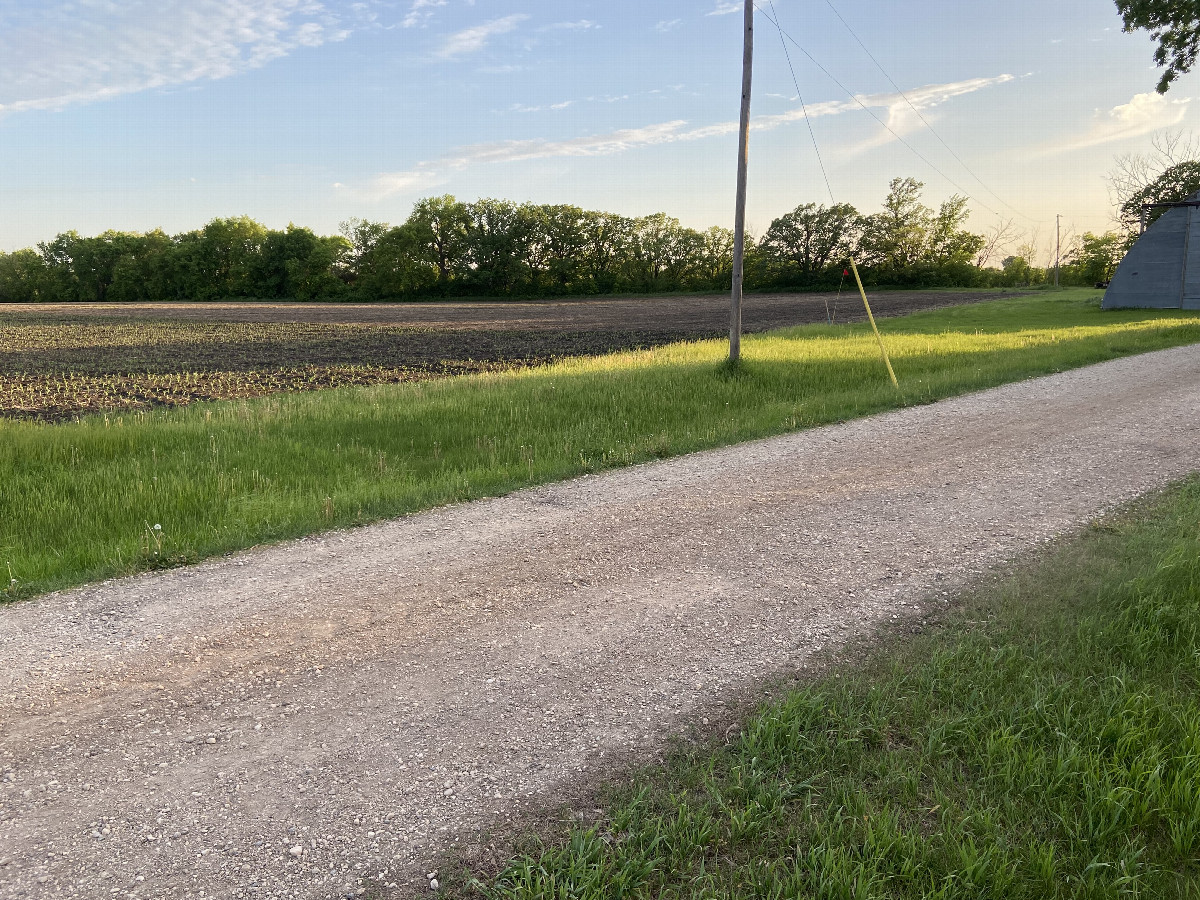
(78, 501)
(1044, 744)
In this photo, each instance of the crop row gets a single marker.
(68, 395)
(19, 334)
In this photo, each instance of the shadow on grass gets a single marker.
(78, 497)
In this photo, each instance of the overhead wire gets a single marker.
(812, 134)
(829, 318)
(915, 109)
(773, 20)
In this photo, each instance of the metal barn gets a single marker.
(1162, 270)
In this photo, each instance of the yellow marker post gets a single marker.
(882, 349)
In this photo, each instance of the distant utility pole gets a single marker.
(1057, 246)
(739, 216)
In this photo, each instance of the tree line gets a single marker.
(497, 248)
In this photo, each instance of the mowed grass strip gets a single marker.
(1045, 743)
(80, 501)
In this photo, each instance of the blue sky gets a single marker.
(135, 114)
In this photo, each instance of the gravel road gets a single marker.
(312, 718)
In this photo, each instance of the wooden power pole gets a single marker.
(739, 216)
(1057, 246)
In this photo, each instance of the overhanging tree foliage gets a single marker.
(1177, 183)
(1175, 25)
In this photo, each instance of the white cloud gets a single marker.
(420, 11)
(589, 145)
(667, 25)
(56, 54)
(675, 131)
(581, 25)
(387, 184)
(475, 38)
(522, 108)
(1143, 114)
(725, 7)
(902, 119)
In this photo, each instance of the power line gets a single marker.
(914, 108)
(812, 134)
(917, 153)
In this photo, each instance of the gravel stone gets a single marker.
(508, 648)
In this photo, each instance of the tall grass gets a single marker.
(1046, 744)
(79, 501)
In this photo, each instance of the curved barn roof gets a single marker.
(1162, 270)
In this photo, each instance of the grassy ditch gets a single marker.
(79, 501)
(1044, 743)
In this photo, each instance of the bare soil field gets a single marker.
(695, 314)
(327, 717)
(58, 361)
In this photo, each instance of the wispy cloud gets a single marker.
(725, 7)
(420, 12)
(667, 25)
(56, 54)
(674, 131)
(388, 184)
(581, 25)
(475, 38)
(522, 108)
(904, 111)
(1143, 114)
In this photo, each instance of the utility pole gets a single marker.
(739, 217)
(1057, 246)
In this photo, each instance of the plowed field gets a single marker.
(64, 360)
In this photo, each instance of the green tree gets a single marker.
(362, 236)
(142, 272)
(557, 247)
(220, 260)
(59, 275)
(908, 243)
(1174, 25)
(948, 242)
(607, 243)
(1017, 270)
(399, 264)
(811, 238)
(895, 239)
(23, 277)
(438, 228)
(296, 264)
(83, 268)
(498, 241)
(661, 253)
(1096, 256)
(1177, 183)
(714, 268)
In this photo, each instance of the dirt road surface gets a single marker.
(320, 717)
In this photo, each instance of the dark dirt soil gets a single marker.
(59, 361)
(694, 315)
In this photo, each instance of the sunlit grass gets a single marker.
(76, 498)
(1044, 744)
